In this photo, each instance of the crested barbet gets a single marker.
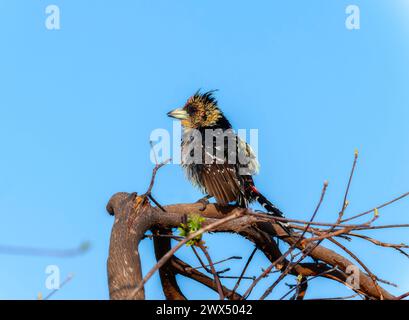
(214, 164)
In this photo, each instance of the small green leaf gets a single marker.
(194, 223)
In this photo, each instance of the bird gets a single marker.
(214, 164)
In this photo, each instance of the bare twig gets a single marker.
(67, 279)
(31, 251)
(378, 207)
(244, 270)
(212, 269)
(217, 262)
(403, 296)
(395, 246)
(186, 270)
(338, 298)
(306, 280)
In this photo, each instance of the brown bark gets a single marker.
(124, 264)
(167, 273)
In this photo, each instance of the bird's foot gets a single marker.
(204, 201)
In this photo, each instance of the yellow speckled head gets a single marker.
(200, 111)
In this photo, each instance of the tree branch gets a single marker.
(124, 266)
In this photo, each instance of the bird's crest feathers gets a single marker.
(203, 111)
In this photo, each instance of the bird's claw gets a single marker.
(204, 201)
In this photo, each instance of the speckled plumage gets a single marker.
(211, 170)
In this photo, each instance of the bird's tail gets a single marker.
(271, 208)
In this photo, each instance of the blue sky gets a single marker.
(77, 107)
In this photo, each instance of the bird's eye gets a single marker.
(190, 109)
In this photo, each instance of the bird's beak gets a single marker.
(178, 114)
